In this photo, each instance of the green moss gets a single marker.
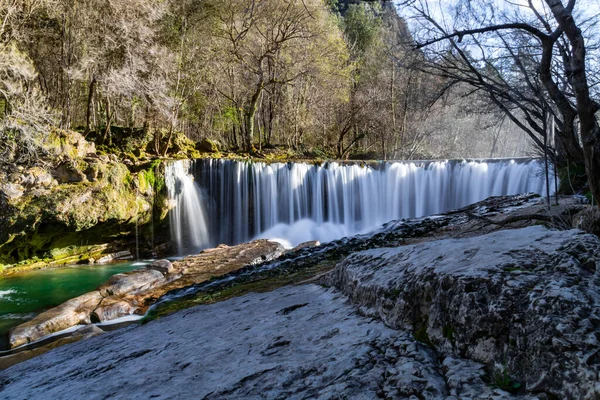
(207, 146)
(501, 379)
(448, 332)
(150, 178)
(258, 284)
(52, 242)
(420, 330)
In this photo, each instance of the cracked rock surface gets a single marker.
(296, 342)
(523, 302)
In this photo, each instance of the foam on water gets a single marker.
(7, 294)
(305, 230)
(25, 316)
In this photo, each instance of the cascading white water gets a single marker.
(187, 217)
(297, 202)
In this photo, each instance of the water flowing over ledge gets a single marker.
(187, 215)
(231, 202)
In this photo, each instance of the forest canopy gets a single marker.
(322, 78)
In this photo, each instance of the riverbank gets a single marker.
(23, 296)
(131, 293)
(465, 294)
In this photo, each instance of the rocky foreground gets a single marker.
(456, 306)
(296, 342)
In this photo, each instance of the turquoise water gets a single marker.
(25, 295)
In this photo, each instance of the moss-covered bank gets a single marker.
(78, 206)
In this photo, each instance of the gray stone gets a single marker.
(313, 243)
(13, 191)
(521, 299)
(121, 255)
(132, 283)
(247, 348)
(113, 308)
(71, 313)
(163, 266)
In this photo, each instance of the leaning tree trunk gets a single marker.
(586, 107)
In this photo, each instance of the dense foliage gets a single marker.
(320, 78)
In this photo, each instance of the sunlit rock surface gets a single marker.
(524, 302)
(296, 342)
(508, 313)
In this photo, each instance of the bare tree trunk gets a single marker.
(109, 115)
(169, 141)
(89, 105)
(250, 114)
(392, 107)
(586, 106)
(271, 118)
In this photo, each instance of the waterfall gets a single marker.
(187, 217)
(297, 202)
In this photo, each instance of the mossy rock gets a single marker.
(207, 146)
(66, 223)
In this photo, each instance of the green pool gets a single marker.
(25, 295)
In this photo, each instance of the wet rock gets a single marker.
(71, 313)
(133, 292)
(89, 330)
(163, 266)
(224, 259)
(118, 256)
(313, 243)
(132, 283)
(113, 308)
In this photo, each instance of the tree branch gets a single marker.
(494, 28)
